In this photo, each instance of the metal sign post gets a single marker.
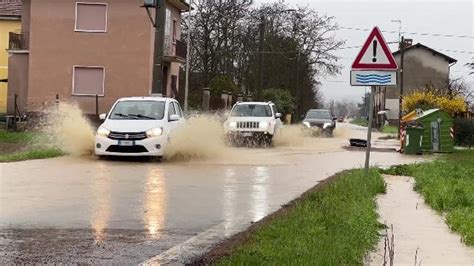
(373, 66)
(369, 130)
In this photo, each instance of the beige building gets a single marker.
(79, 49)
(423, 67)
(10, 16)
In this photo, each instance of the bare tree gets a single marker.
(299, 47)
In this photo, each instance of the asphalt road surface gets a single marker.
(83, 210)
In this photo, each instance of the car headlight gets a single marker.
(307, 124)
(326, 125)
(103, 132)
(154, 132)
(263, 124)
(233, 124)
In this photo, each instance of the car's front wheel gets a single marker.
(267, 140)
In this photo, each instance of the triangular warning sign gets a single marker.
(375, 54)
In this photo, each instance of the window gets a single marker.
(175, 30)
(138, 110)
(255, 110)
(171, 110)
(178, 109)
(88, 80)
(275, 111)
(91, 17)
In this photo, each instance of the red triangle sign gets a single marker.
(375, 54)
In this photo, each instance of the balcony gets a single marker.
(19, 41)
(175, 50)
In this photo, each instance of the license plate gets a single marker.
(246, 134)
(126, 143)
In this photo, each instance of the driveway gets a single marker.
(83, 210)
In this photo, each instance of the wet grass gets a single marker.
(447, 185)
(31, 155)
(360, 122)
(336, 225)
(389, 130)
(16, 137)
(20, 146)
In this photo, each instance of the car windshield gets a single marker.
(254, 110)
(318, 114)
(138, 110)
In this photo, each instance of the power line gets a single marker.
(440, 49)
(414, 33)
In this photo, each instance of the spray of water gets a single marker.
(291, 135)
(67, 129)
(201, 136)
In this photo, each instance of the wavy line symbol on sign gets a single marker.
(373, 78)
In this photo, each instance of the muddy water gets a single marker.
(67, 129)
(201, 138)
(83, 210)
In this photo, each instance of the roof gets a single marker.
(427, 113)
(147, 98)
(182, 5)
(419, 45)
(10, 8)
(254, 103)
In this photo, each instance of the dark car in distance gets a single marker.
(320, 120)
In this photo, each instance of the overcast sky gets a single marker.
(417, 16)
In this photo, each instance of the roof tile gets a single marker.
(10, 8)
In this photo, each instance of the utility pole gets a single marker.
(261, 57)
(188, 59)
(400, 103)
(298, 89)
(159, 24)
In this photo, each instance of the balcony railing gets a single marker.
(175, 49)
(19, 41)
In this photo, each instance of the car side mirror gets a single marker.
(278, 115)
(174, 118)
(102, 116)
(334, 118)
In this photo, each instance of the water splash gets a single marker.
(200, 137)
(67, 129)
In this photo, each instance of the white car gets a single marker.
(138, 126)
(253, 120)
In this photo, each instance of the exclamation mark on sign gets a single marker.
(374, 59)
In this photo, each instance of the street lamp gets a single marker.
(188, 59)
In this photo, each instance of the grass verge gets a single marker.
(335, 223)
(31, 155)
(360, 122)
(20, 146)
(16, 137)
(389, 130)
(447, 185)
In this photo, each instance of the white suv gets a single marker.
(253, 120)
(138, 126)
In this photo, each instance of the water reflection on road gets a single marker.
(136, 209)
(101, 201)
(154, 201)
(259, 192)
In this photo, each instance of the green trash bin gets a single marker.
(413, 140)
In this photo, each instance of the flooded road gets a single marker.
(83, 210)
